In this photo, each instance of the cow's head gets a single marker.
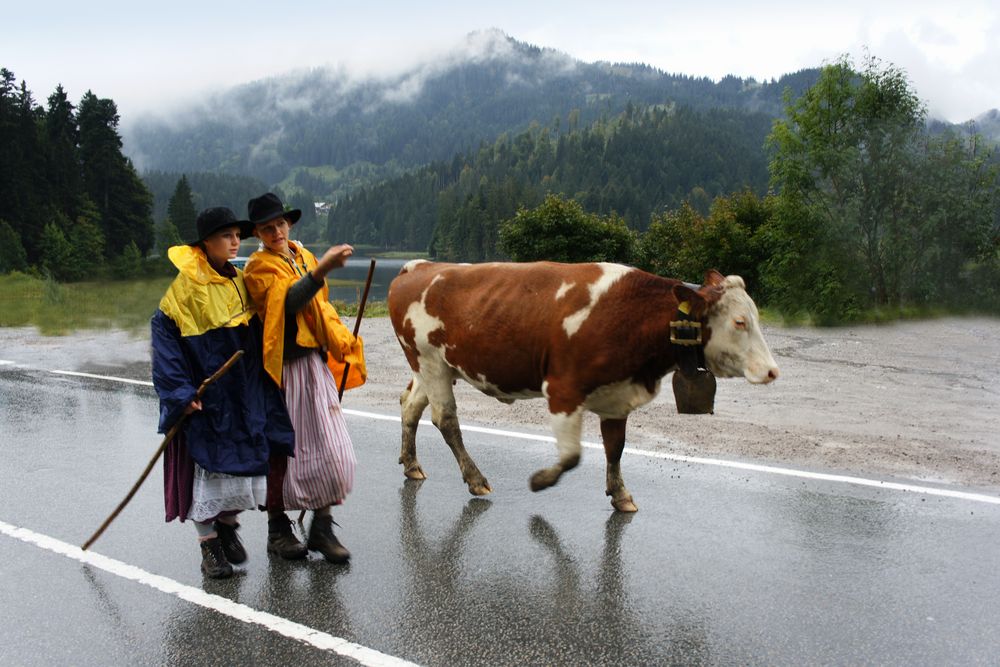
(736, 346)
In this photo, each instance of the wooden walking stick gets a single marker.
(163, 445)
(357, 325)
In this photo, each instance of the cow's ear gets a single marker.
(690, 301)
(713, 279)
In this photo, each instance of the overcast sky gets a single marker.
(157, 58)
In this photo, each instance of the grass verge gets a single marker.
(57, 309)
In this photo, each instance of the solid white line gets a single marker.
(224, 606)
(144, 383)
(826, 477)
(722, 463)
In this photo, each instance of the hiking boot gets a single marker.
(322, 539)
(281, 539)
(231, 544)
(213, 560)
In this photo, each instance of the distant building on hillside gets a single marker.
(322, 209)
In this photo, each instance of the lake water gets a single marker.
(357, 269)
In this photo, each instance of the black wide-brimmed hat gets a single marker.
(213, 219)
(267, 207)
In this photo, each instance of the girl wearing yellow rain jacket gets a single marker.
(306, 349)
(217, 464)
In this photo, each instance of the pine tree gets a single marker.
(166, 237)
(12, 255)
(129, 263)
(181, 211)
(55, 250)
(63, 164)
(9, 151)
(86, 243)
(110, 179)
(31, 195)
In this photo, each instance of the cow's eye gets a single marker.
(740, 323)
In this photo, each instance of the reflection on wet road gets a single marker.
(720, 566)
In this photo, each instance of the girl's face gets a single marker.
(274, 235)
(222, 245)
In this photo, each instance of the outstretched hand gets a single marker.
(334, 258)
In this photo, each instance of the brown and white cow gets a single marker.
(583, 336)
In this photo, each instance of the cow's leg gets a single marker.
(566, 427)
(444, 415)
(613, 435)
(446, 420)
(412, 402)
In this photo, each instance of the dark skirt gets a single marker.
(178, 479)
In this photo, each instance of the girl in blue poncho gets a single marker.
(217, 465)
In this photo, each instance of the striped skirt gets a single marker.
(322, 471)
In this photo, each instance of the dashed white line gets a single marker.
(217, 603)
(698, 460)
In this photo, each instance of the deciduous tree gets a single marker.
(561, 231)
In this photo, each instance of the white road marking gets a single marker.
(722, 463)
(698, 460)
(144, 383)
(217, 603)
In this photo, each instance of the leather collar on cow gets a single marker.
(686, 337)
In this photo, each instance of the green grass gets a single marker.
(61, 308)
(884, 315)
(339, 282)
(372, 308)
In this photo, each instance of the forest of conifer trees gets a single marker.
(641, 162)
(71, 204)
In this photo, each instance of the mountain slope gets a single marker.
(490, 85)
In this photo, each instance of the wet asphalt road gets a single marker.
(718, 567)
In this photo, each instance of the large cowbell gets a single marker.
(694, 384)
(694, 393)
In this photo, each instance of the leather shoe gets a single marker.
(281, 539)
(322, 539)
(213, 560)
(231, 544)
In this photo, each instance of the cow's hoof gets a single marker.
(624, 504)
(480, 489)
(415, 472)
(543, 479)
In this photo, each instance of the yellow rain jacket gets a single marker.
(200, 299)
(268, 277)
(204, 318)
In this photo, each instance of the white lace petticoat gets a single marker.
(216, 492)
